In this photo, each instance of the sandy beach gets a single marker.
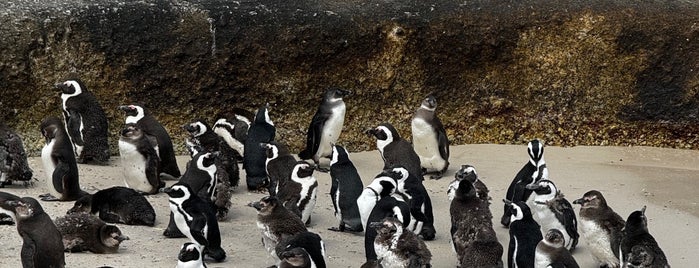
(665, 180)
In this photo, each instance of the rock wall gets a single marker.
(570, 72)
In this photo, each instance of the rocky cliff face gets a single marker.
(569, 72)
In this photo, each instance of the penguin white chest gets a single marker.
(308, 195)
(49, 166)
(598, 241)
(230, 140)
(389, 259)
(366, 202)
(134, 164)
(426, 145)
(541, 259)
(547, 219)
(331, 131)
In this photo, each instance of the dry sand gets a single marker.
(665, 180)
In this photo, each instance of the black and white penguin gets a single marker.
(41, 241)
(140, 161)
(144, 120)
(7, 217)
(430, 139)
(383, 185)
(472, 234)
(421, 216)
(261, 131)
(524, 236)
(62, 178)
(117, 204)
(601, 228)
(279, 165)
(275, 222)
(13, 158)
(190, 256)
(85, 232)
(300, 192)
(85, 122)
(304, 249)
(395, 150)
(196, 219)
(326, 126)
(397, 247)
(552, 251)
(553, 211)
(345, 191)
(533, 171)
(207, 141)
(638, 247)
(234, 132)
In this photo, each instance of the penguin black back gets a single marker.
(42, 245)
(395, 150)
(345, 189)
(279, 165)
(59, 163)
(261, 131)
(525, 234)
(638, 246)
(311, 244)
(117, 204)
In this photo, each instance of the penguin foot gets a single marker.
(167, 177)
(217, 254)
(173, 233)
(322, 169)
(505, 221)
(428, 234)
(6, 220)
(48, 197)
(436, 176)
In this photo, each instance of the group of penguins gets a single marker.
(394, 211)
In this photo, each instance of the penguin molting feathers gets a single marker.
(396, 247)
(601, 228)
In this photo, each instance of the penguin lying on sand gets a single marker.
(638, 247)
(85, 232)
(117, 205)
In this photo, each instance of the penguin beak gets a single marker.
(167, 190)
(579, 201)
(121, 238)
(371, 131)
(58, 86)
(376, 224)
(507, 202)
(255, 205)
(532, 186)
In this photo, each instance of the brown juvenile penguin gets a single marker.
(398, 248)
(276, 222)
(600, 227)
(85, 232)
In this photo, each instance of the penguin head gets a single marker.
(179, 192)
(296, 257)
(535, 149)
(466, 190)
(429, 103)
(636, 222)
(384, 132)
(50, 127)
(71, 87)
(196, 128)
(271, 150)
(554, 238)
(339, 155)
(591, 199)
(24, 208)
(335, 94)
(189, 252)
(544, 189)
(383, 185)
(466, 172)
(111, 236)
(262, 116)
(266, 205)
(401, 173)
(388, 227)
(519, 210)
(133, 110)
(82, 205)
(303, 170)
(131, 131)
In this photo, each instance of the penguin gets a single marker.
(601, 228)
(234, 132)
(117, 204)
(85, 121)
(524, 236)
(345, 189)
(552, 251)
(394, 150)
(41, 241)
(196, 219)
(299, 194)
(383, 185)
(276, 223)
(472, 234)
(430, 139)
(397, 247)
(201, 134)
(7, 217)
(553, 211)
(326, 126)
(13, 158)
(85, 232)
(468, 172)
(140, 160)
(190, 256)
(638, 247)
(532, 172)
(261, 131)
(422, 218)
(59, 163)
(279, 165)
(144, 120)
(305, 249)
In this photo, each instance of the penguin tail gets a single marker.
(215, 253)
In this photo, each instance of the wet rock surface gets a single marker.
(568, 72)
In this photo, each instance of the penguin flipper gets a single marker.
(29, 252)
(153, 174)
(567, 217)
(197, 230)
(60, 174)
(443, 141)
(73, 122)
(314, 134)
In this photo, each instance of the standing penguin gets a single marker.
(85, 121)
(203, 136)
(261, 131)
(399, 248)
(430, 139)
(234, 132)
(422, 218)
(383, 185)
(552, 251)
(638, 247)
(552, 211)
(275, 222)
(326, 126)
(190, 256)
(196, 219)
(345, 190)
(85, 232)
(468, 172)
(524, 236)
(59, 163)
(601, 228)
(13, 159)
(140, 160)
(137, 114)
(279, 165)
(304, 249)
(533, 171)
(394, 150)
(117, 204)
(41, 241)
(299, 193)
